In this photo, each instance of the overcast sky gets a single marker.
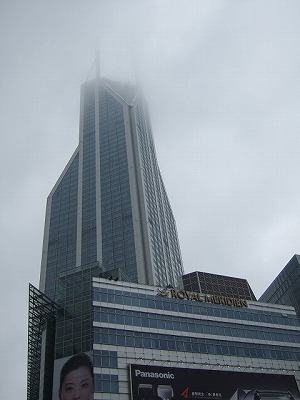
(223, 87)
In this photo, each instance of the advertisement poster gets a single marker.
(162, 383)
(73, 378)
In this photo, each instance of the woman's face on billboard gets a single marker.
(78, 384)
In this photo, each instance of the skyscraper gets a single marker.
(108, 215)
(285, 288)
(109, 208)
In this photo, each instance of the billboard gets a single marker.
(161, 383)
(73, 378)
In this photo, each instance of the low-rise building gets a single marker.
(164, 330)
(163, 343)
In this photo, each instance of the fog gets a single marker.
(221, 79)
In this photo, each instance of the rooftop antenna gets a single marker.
(136, 72)
(97, 65)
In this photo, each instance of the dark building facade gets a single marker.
(285, 288)
(109, 207)
(219, 285)
(108, 215)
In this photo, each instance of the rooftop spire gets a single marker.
(97, 64)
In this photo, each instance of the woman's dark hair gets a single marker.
(73, 363)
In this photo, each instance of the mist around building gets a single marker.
(114, 316)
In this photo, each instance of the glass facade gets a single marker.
(162, 305)
(110, 205)
(163, 236)
(62, 230)
(88, 207)
(74, 322)
(192, 325)
(220, 285)
(189, 321)
(118, 248)
(285, 289)
(107, 215)
(118, 337)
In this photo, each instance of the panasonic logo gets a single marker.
(147, 374)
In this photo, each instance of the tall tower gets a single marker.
(109, 211)
(109, 208)
(285, 288)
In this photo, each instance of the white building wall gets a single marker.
(180, 359)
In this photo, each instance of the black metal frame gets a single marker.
(42, 313)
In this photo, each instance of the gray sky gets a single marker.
(222, 82)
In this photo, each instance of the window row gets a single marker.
(193, 307)
(167, 322)
(118, 337)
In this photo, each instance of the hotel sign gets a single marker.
(206, 298)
